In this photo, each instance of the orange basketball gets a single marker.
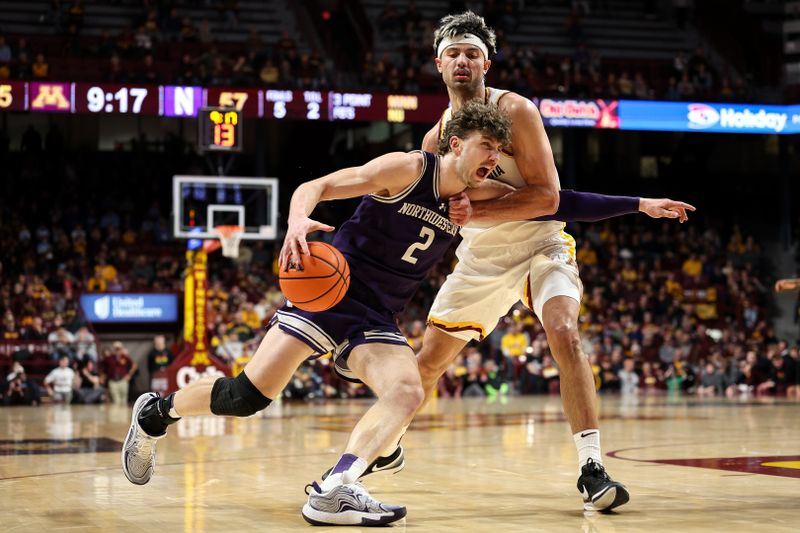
(322, 282)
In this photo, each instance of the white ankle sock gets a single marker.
(588, 444)
(346, 471)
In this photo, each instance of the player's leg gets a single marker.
(265, 376)
(560, 322)
(391, 372)
(559, 316)
(439, 350)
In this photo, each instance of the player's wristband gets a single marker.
(576, 206)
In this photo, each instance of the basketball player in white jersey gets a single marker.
(505, 257)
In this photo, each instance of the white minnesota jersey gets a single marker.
(490, 234)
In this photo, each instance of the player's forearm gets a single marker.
(522, 204)
(305, 199)
(577, 206)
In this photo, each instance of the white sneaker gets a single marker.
(348, 505)
(139, 449)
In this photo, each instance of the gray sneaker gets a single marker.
(139, 448)
(348, 505)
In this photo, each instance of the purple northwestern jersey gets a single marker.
(391, 242)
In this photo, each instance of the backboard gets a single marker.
(199, 203)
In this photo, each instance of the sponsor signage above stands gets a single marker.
(271, 103)
(712, 117)
(102, 308)
(579, 113)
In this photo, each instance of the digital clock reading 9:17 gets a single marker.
(114, 98)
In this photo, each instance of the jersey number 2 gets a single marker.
(428, 234)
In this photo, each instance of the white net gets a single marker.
(230, 237)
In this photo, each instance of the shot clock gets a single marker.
(219, 129)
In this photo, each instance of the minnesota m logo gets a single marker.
(50, 97)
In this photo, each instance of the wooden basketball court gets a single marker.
(472, 465)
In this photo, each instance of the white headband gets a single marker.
(464, 38)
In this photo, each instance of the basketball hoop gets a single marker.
(229, 236)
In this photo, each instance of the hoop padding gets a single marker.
(230, 237)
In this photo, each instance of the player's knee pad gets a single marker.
(237, 397)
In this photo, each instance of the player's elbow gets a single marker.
(550, 200)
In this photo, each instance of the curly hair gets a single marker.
(466, 22)
(477, 116)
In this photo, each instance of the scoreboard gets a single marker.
(188, 101)
(270, 103)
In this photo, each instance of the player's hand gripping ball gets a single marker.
(320, 282)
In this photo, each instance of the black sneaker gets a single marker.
(391, 464)
(599, 492)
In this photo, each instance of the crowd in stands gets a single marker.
(162, 44)
(666, 307)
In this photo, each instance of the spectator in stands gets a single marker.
(172, 25)
(159, 356)
(494, 385)
(62, 343)
(148, 73)
(20, 389)
(5, 50)
(230, 13)
(10, 331)
(115, 72)
(625, 84)
(90, 390)
(390, 20)
(550, 374)
(628, 378)
(269, 73)
(40, 68)
(686, 87)
(640, 88)
(473, 379)
(778, 380)
(117, 370)
(712, 381)
(188, 31)
(23, 67)
(514, 345)
(36, 331)
(61, 381)
(450, 385)
(227, 345)
(702, 80)
(75, 13)
(85, 345)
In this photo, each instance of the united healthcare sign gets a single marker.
(130, 307)
(711, 117)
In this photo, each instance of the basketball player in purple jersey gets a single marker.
(506, 257)
(398, 233)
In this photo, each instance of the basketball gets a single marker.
(321, 283)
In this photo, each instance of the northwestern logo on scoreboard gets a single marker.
(182, 101)
(702, 116)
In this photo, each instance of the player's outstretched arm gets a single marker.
(577, 206)
(787, 284)
(386, 174)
